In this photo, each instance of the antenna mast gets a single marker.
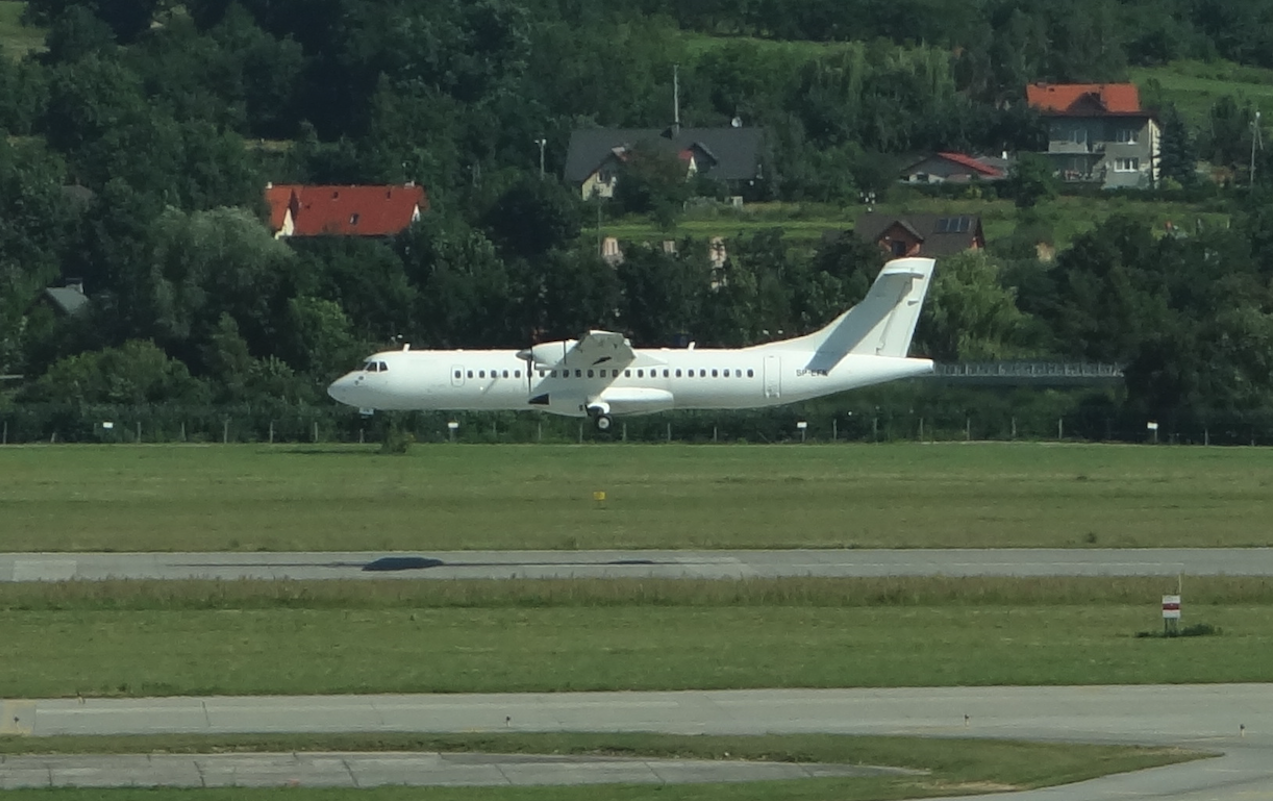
(1255, 142)
(676, 98)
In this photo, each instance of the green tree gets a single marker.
(1031, 179)
(1179, 161)
(970, 315)
(137, 372)
(533, 216)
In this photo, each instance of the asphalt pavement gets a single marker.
(1020, 562)
(1233, 719)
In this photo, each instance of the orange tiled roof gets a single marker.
(345, 210)
(973, 164)
(1084, 98)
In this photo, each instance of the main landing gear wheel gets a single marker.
(603, 422)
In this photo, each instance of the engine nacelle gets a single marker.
(547, 355)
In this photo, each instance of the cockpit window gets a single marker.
(367, 366)
(384, 368)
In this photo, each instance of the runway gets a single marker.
(1234, 719)
(1019, 562)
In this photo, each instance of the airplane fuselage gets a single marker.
(656, 380)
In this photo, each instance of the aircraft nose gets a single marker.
(342, 389)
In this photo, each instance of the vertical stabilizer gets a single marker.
(883, 323)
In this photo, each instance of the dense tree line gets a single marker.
(140, 140)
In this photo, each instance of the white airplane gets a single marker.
(600, 374)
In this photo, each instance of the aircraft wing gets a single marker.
(600, 349)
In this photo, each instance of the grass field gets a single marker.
(804, 224)
(363, 637)
(952, 765)
(1194, 86)
(442, 497)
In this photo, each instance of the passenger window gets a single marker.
(457, 373)
(517, 374)
(579, 374)
(702, 374)
(470, 373)
(505, 374)
(665, 372)
(678, 372)
(627, 373)
(590, 374)
(481, 374)
(714, 375)
(640, 374)
(751, 373)
(738, 374)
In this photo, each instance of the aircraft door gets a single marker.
(773, 376)
(457, 375)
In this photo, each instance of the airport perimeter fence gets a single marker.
(989, 421)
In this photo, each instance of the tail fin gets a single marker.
(884, 322)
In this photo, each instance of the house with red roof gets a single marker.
(940, 168)
(1098, 133)
(301, 210)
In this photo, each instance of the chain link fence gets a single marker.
(942, 419)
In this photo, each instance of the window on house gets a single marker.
(898, 247)
(1126, 164)
(1126, 136)
(1078, 135)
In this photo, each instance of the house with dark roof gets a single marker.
(940, 168)
(932, 235)
(300, 210)
(732, 156)
(1098, 133)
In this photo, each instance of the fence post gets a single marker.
(875, 428)
(921, 429)
(225, 431)
(138, 432)
(1206, 436)
(967, 429)
(1014, 427)
(625, 432)
(183, 430)
(271, 432)
(539, 431)
(713, 433)
(581, 433)
(669, 432)
(835, 429)
(6, 433)
(1060, 428)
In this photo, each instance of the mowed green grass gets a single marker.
(405, 637)
(444, 497)
(953, 765)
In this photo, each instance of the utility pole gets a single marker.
(1255, 143)
(541, 141)
(676, 99)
